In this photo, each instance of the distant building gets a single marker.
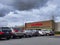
(49, 25)
(57, 26)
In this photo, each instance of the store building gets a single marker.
(57, 26)
(49, 25)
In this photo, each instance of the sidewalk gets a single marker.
(57, 34)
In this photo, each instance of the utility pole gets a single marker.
(53, 22)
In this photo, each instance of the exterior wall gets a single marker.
(40, 25)
(57, 26)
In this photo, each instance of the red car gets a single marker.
(5, 32)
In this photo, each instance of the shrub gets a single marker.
(57, 32)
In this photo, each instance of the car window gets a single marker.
(19, 29)
(6, 29)
(27, 30)
(0, 29)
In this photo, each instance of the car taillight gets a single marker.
(1, 32)
(15, 30)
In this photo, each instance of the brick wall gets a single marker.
(40, 25)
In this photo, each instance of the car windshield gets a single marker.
(19, 29)
(5, 29)
(27, 30)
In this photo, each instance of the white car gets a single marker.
(48, 32)
(42, 33)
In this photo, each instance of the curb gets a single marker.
(57, 34)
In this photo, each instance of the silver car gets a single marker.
(17, 32)
(35, 32)
(27, 33)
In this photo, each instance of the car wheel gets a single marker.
(12, 37)
(8, 37)
(30, 35)
(25, 36)
(20, 36)
(47, 34)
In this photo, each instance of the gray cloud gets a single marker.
(24, 4)
(5, 9)
(3, 12)
(11, 5)
(28, 4)
(28, 10)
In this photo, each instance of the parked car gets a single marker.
(27, 33)
(30, 33)
(35, 32)
(5, 32)
(17, 32)
(49, 32)
(41, 33)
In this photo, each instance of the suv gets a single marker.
(5, 32)
(17, 32)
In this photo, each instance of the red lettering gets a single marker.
(36, 24)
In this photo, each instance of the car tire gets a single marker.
(12, 37)
(24, 35)
(20, 36)
(47, 34)
(8, 37)
(30, 35)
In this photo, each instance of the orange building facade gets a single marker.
(49, 25)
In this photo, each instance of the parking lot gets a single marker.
(42, 40)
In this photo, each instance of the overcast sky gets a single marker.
(18, 12)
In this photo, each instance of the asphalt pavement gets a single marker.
(43, 40)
